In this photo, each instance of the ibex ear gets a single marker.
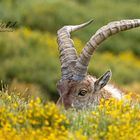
(102, 81)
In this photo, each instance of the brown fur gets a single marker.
(69, 89)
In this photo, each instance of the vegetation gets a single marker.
(29, 66)
(34, 58)
(33, 119)
(50, 15)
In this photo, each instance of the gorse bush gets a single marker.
(32, 119)
(116, 118)
(34, 58)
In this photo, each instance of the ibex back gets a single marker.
(76, 88)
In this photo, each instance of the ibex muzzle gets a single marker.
(76, 88)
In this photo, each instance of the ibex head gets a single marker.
(76, 88)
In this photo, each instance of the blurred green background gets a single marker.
(29, 60)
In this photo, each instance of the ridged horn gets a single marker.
(101, 35)
(68, 54)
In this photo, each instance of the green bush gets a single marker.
(125, 66)
(32, 57)
(51, 15)
(29, 59)
(29, 54)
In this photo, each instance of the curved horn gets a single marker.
(68, 54)
(101, 35)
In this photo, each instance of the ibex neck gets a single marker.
(115, 92)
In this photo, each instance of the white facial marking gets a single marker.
(116, 93)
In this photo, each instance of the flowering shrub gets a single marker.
(31, 119)
(116, 120)
(34, 121)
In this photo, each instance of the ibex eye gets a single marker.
(82, 93)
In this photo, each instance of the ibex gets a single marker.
(76, 88)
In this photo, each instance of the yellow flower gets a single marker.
(9, 97)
